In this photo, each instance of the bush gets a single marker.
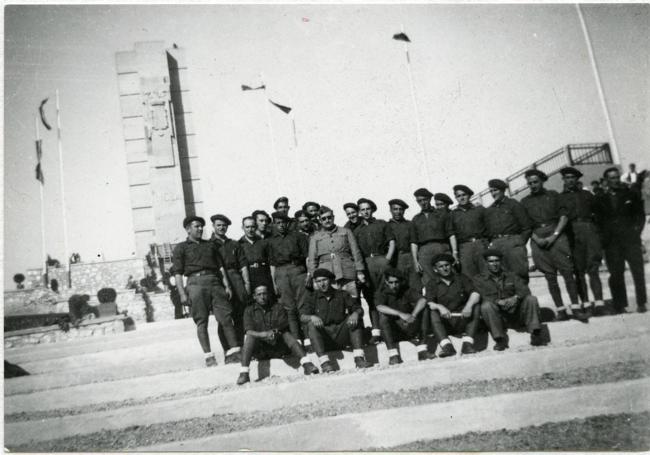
(106, 295)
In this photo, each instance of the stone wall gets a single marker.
(90, 277)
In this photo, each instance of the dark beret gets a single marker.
(498, 184)
(350, 205)
(571, 171)
(422, 192)
(189, 219)
(220, 217)
(325, 209)
(442, 197)
(608, 170)
(259, 212)
(280, 199)
(399, 202)
(492, 252)
(299, 214)
(465, 189)
(391, 271)
(373, 206)
(280, 216)
(319, 273)
(308, 203)
(443, 257)
(537, 173)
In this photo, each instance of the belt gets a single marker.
(255, 265)
(471, 239)
(503, 236)
(292, 262)
(541, 225)
(203, 273)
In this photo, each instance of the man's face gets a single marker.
(281, 225)
(632, 167)
(365, 210)
(613, 179)
(352, 215)
(440, 205)
(312, 211)
(535, 184)
(462, 197)
(397, 211)
(393, 283)
(261, 295)
(249, 227)
(220, 228)
(304, 224)
(570, 181)
(262, 222)
(497, 194)
(443, 268)
(494, 264)
(327, 220)
(322, 284)
(283, 207)
(424, 202)
(595, 186)
(194, 230)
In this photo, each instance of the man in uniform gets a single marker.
(621, 218)
(431, 233)
(281, 205)
(506, 302)
(263, 223)
(509, 229)
(207, 287)
(268, 335)
(303, 224)
(401, 228)
(352, 212)
(468, 222)
(335, 248)
(312, 210)
(584, 238)
(442, 201)
(334, 320)
(287, 255)
(377, 244)
(400, 316)
(550, 245)
(257, 255)
(453, 301)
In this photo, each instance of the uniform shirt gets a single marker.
(544, 208)
(404, 300)
(190, 257)
(336, 251)
(232, 253)
(260, 318)
(373, 237)
(353, 226)
(431, 225)
(619, 213)
(507, 217)
(289, 248)
(469, 222)
(256, 252)
(333, 307)
(502, 286)
(402, 233)
(452, 296)
(579, 204)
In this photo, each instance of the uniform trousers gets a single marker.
(515, 256)
(394, 329)
(455, 326)
(238, 301)
(261, 349)
(525, 315)
(587, 256)
(335, 336)
(618, 250)
(405, 265)
(376, 265)
(290, 279)
(471, 258)
(260, 276)
(426, 252)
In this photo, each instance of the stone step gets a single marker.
(267, 396)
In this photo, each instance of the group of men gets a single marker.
(293, 285)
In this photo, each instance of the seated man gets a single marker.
(453, 301)
(267, 335)
(400, 315)
(506, 302)
(334, 319)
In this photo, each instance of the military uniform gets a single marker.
(403, 259)
(272, 317)
(430, 231)
(471, 234)
(257, 256)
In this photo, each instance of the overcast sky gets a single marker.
(498, 86)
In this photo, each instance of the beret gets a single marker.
(391, 271)
(498, 184)
(610, 169)
(442, 197)
(492, 252)
(464, 189)
(320, 273)
(398, 202)
(189, 219)
(260, 212)
(325, 209)
(299, 214)
(308, 203)
(280, 216)
(571, 171)
(220, 217)
(422, 192)
(280, 199)
(373, 206)
(350, 205)
(443, 257)
(537, 173)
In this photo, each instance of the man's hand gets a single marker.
(551, 240)
(361, 277)
(407, 317)
(455, 256)
(353, 319)
(247, 286)
(418, 267)
(316, 321)
(184, 300)
(269, 335)
(467, 311)
(229, 292)
(444, 312)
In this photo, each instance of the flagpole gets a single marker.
(40, 191)
(268, 121)
(61, 178)
(417, 113)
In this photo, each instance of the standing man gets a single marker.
(631, 176)
(377, 244)
(584, 238)
(621, 218)
(431, 233)
(334, 321)
(207, 287)
(352, 212)
(549, 243)
(453, 302)
(442, 201)
(268, 335)
(263, 223)
(403, 260)
(303, 224)
(287, 255)
(256, 251)
(281, 205)
(506, 302)
(468, 221)
(312, 210)
(509, 229)
(335, 249)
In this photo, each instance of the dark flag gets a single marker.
(248, 87)
(401, 37)
(42, 112)
(284, 109)
(39, 153)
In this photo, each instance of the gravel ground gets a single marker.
(137, 436)
(620, 432)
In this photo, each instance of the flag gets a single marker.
(401, 37)
(39, 153)
(248, 87)
(42, 112)
(284, 109)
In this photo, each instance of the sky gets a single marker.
(497, 87)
